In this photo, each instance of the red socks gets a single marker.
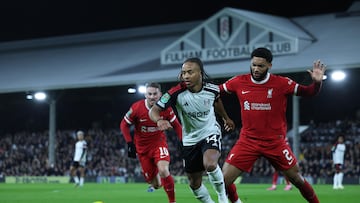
(231, 192)
(308, 193)
(169, 187)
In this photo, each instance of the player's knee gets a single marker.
(164, 173)
(210, 166)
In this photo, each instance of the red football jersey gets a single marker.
(263, 104)
(146, 131)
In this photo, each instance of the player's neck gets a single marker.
(196, 88)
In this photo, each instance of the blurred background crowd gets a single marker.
(26, 153)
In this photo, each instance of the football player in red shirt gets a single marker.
(148, 142)
(263, 97)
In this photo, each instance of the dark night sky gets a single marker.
(79, 108)
(23, 19)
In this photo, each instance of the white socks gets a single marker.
(76, 179)
(216, 179)
(81, 181)
(202, 194)
(338, 179)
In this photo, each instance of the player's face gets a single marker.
(152, 95)
(80, 136)
(191, 75)
(259, 68)
(340, 139)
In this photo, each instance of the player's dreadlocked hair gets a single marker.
(205, 76)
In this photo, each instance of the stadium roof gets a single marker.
(132, 56)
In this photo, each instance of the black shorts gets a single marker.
(77, 164)
(193, 155)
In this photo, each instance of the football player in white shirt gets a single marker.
(338, 153)
(79, 160)
(196, 102)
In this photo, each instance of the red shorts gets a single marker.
(247, 150)
(148, 160)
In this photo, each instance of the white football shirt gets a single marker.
(339, 153)
(80, 151)
(195, 111)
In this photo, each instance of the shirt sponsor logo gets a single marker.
(198, 114)
(257, 106)
(146, 129)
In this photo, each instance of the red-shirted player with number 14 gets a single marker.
(148, 142)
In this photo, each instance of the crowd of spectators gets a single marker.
(26, 153)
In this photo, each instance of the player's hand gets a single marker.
(229, 124)
(131, 150)
(318, 71)
(164, 125)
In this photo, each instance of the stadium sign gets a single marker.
(226, 53)
(233, 34)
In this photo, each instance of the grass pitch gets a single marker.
(136, 193)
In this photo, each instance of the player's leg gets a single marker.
(82, 175)
(232, 194)
(242, 155)
(150, 172)
(338, 177)
(194, 168)
(73, 172)
(274, 180)
(288, 185)
(211, 148)
(230, 174)
(335, 180)
(282, 158)
(340, 180)
(167, 181)
(199, 190)
(300, 182)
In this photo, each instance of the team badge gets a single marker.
(270, 91)
(165, 98)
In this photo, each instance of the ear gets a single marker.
(180, 77)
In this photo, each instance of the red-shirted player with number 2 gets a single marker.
(263, 97)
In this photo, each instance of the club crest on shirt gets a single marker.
(269, 93)
(207, 102)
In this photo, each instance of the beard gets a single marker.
(258, 77)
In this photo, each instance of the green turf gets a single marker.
(136, 193)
